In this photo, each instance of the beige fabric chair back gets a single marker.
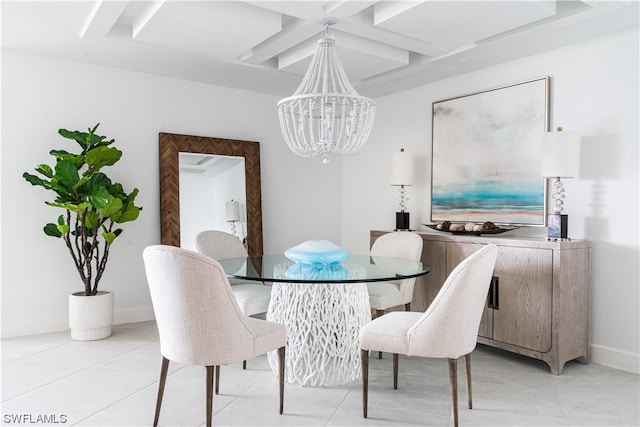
(400, 244)
(198, 318)
(449, 326)
(219, 244)
(252, 297)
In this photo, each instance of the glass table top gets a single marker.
(355, 269)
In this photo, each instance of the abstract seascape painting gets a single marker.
(486, 159)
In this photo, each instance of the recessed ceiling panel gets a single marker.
(361, 58)
(223, 29)
(452, 24)
(357, 65)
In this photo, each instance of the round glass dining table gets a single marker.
(323, 307)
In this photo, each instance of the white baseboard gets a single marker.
(133, 315)
(35, 325)
(613, 358)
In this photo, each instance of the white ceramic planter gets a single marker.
(90, 318)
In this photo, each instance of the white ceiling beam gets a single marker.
(348, 41)
(305, 10)
(361, 25)
(346, 8)
(384, 11)
(102, 18)
(292, 33)
(147, 12)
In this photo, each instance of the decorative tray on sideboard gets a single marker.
(472, 232)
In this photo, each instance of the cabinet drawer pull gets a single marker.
(493, 298)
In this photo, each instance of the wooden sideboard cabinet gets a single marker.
(539, 299)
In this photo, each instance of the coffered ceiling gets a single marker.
(266, 46)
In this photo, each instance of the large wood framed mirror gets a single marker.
(171, 147)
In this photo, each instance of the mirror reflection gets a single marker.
(212, 196)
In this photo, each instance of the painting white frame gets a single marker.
(486, 156)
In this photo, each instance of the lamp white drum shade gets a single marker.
(560, 155)
(402, 168)
(233, 210)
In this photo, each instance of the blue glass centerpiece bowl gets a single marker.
(317, 252)
(317, 260)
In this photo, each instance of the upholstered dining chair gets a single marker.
(253, 297)
(447, 329)
(199, 320)
(384, 295)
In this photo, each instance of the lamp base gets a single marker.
(402, 221)
(558, 225)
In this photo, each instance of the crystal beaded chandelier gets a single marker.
(325, 117)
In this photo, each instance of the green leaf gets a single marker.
(98, 197)
(34, 180)
(109, 237)
(52, 230)
(73, 207)
(99, 157)
(45, 170)
(77, 136)
(114, 206)
(76, 159)
(99, 180)
(130, 213)
(64, 228)
(82, 181)
(91, 219)
(66, 173)
(61, 220)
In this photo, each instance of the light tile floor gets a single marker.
(51, 380)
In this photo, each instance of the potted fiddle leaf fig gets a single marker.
(92, 207)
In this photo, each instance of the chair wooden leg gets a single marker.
(407, 307)
(467, 362)
(244, 364)
(209, 395)
(395, 371)
(217, 379)
(453, 380)
(378, 314)
(364, 363)
(281, 363)
(163, 379)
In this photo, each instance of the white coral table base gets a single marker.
(323, 324)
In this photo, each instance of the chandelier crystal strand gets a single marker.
(325, 117)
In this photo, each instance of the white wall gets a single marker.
(594, 91)
(41, 95)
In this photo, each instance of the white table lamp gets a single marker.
(233, 214)
(402, 175)
(560, 159)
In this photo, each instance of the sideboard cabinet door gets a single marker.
(522, 316)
